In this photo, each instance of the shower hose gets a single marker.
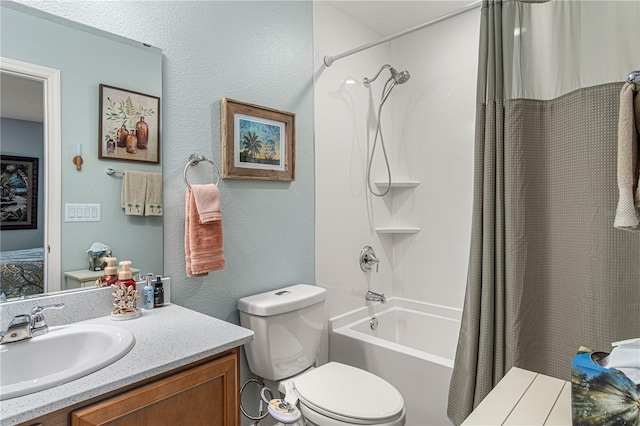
(385, 94)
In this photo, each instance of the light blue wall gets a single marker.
(85, 60)
(254, 51)
(24, 139)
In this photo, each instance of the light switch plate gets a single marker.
(82, 212)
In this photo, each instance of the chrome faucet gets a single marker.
(372, 296)
(26, 326)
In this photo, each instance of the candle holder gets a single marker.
(125, 299)
(77, 160)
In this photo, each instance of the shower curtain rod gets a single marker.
(329, 60)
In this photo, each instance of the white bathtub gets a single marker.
(413, 348)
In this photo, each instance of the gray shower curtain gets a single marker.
(548, 273)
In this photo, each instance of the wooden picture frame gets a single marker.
(19, 192)
(129, 125)
(257, 142)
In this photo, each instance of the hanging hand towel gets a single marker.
(153, 198)
(202, 241)
(134, 188)
(628, 164)
(207, 202)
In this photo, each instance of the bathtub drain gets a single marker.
(373, 323)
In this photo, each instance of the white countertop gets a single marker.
(166, 338)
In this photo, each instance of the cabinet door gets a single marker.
(203, 395)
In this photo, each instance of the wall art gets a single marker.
(257, 142)
(129, 127)
(19, 206)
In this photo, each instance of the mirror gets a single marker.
(66, 62)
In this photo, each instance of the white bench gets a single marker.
(523, 397)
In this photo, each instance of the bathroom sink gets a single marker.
(65, 353)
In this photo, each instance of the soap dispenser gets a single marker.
(125, 275)
(110, 272)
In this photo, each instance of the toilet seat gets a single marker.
(349, 394)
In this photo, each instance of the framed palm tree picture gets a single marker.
(257, 142)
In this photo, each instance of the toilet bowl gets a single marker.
(288, 325)
(336, 394)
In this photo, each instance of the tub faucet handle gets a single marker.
(368, 259)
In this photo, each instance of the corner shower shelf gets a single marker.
(397, 230)
(397, 184)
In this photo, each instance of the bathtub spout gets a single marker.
(372, 296)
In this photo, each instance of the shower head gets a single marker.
(398, 77)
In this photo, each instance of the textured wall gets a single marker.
(259, 52)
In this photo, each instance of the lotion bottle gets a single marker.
(158, 292)
(125, 275)
(110, 273)
(148, 293)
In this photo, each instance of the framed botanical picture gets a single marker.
(19, 208)
(257, 142)
(129, 127)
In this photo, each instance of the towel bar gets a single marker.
(194, 160)
(112, 172)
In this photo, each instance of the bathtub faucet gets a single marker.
(368, 259)
(372, 296)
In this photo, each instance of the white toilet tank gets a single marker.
(288, 325)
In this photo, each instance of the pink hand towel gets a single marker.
(207, 202)
(202, 241)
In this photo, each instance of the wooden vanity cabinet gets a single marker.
(204, 394)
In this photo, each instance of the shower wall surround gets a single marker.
(341, 113)
(428, 125)
(433, 142)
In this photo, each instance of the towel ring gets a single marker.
(194, 160)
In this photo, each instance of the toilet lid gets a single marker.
(340, 390)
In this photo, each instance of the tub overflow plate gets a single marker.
(373, 323)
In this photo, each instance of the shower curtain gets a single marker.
(548, 273)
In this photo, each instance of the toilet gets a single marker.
(288, 325)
